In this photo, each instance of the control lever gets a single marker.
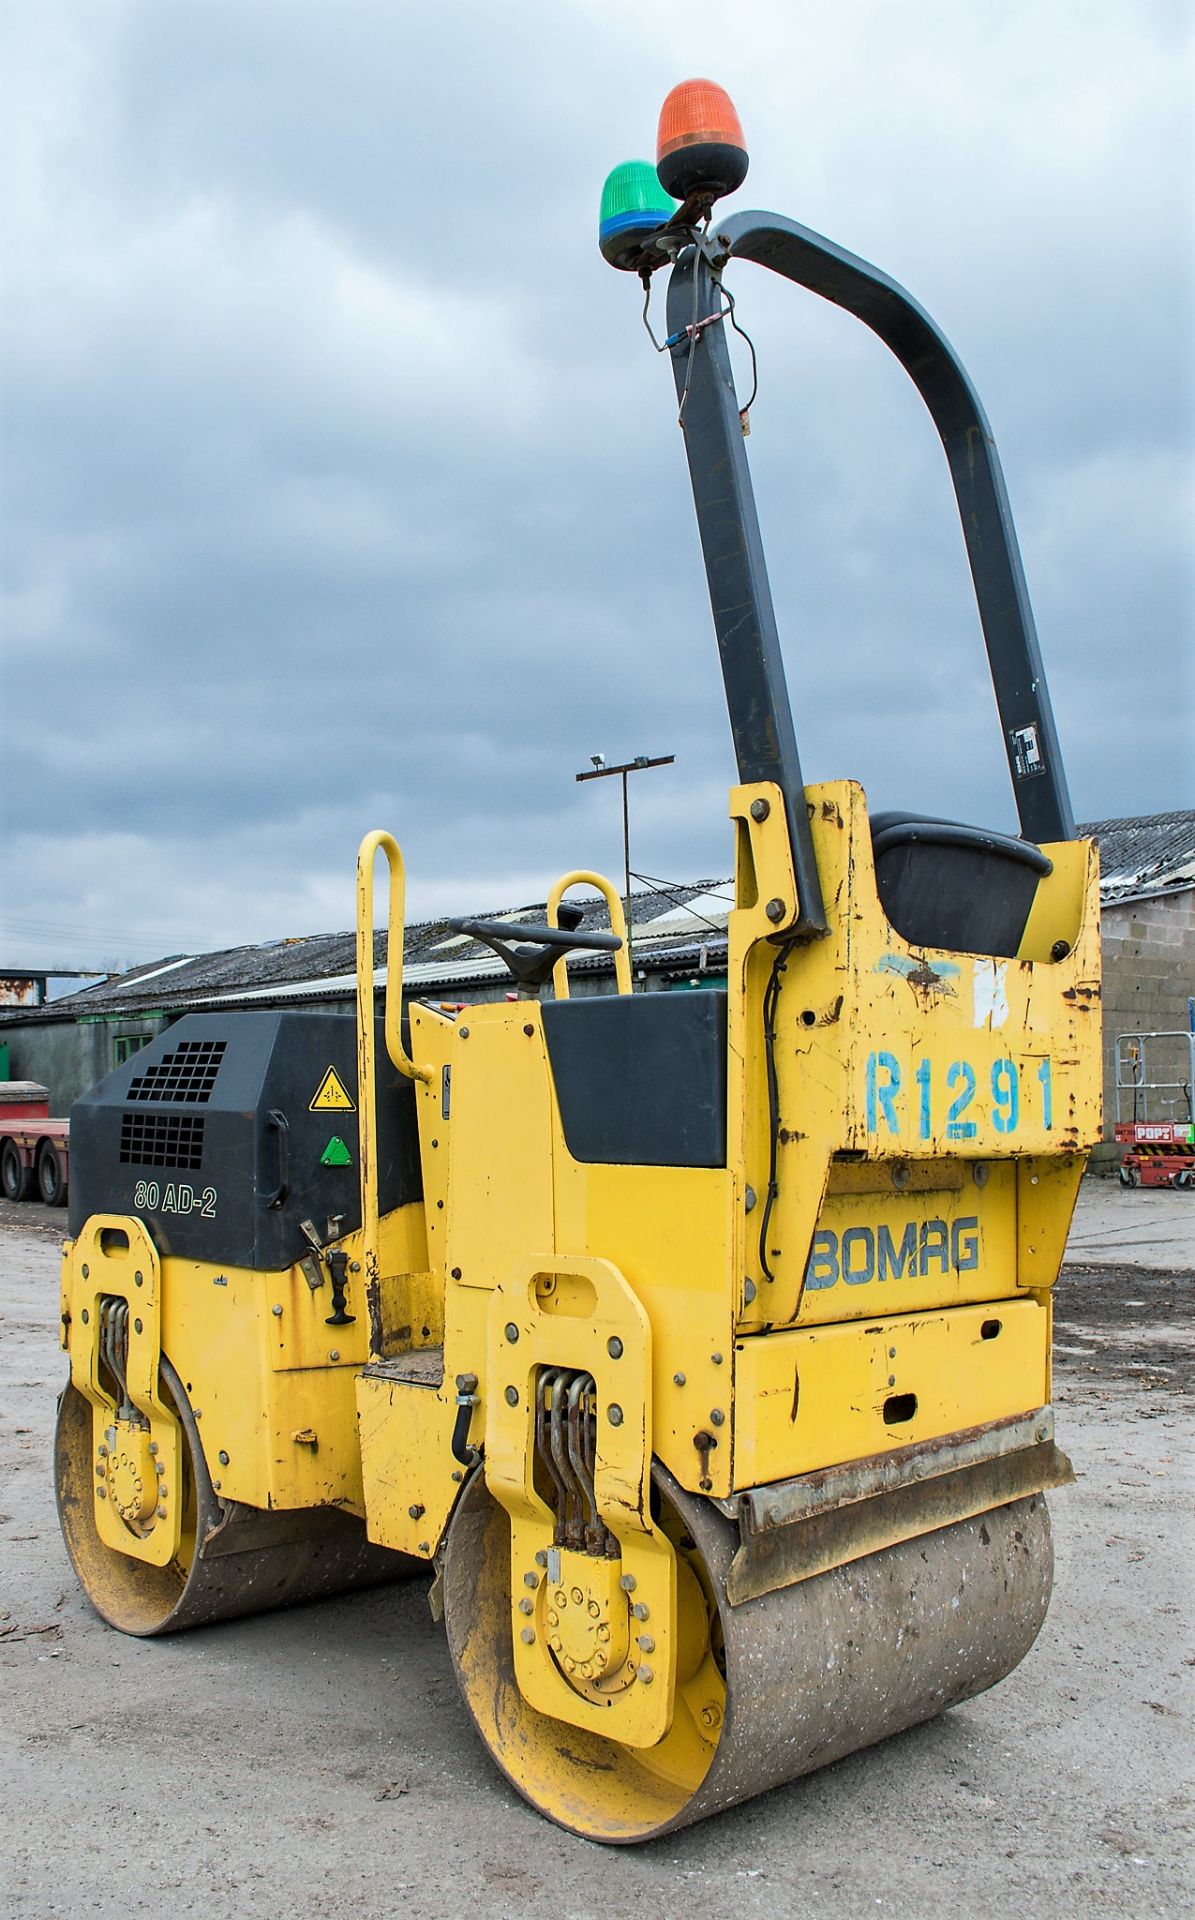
(467, 1397)
(312, 1267)
(338, 1267)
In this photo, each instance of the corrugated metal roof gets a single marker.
(1151, 853)
(677, 928)
(323, 966)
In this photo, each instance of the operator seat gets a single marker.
(942, 884)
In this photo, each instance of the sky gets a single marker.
(342, 488)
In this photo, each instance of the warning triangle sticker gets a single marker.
(332, 1095)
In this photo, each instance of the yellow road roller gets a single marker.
(697, 1343)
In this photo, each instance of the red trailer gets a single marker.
(35, 1154)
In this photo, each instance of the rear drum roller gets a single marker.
(768, 1690)
(232, 1559)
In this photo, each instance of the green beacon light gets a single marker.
(634, 206)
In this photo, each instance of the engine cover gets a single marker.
(229, 1130)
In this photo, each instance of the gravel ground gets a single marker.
(320, 1762)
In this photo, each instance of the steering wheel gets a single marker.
(531, 965)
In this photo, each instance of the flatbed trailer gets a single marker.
(35, 1151)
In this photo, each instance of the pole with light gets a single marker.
(600, 771)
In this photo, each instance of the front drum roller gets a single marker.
(232, 1559)
(800, 1677)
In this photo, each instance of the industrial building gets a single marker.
(678, 936)
(1147, 891)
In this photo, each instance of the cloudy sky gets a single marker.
(343, 489)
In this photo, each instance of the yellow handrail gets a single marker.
(618, 925)
(368, 851)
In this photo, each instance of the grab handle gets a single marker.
(281, 1126)
(618, 925)
(371, 846)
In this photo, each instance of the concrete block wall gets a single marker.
(1148, 951)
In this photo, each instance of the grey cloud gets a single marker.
(343, 487)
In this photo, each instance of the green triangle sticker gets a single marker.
(336, 1154)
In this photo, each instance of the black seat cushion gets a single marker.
(943, 884)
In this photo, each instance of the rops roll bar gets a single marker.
(744, 619)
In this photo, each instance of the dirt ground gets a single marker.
(320, 1762)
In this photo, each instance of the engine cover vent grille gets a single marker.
(161, 1140)
(186, 1075)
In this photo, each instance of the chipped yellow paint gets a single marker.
(840, 1393)
(861, 992)
(409, 1476)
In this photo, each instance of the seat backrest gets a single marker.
(942, 884)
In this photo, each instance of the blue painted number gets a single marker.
(885, 1096)
(1047, 1094)
(1006, 1096)
(956, 1127)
